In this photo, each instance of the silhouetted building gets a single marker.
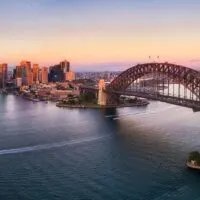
(57, 72)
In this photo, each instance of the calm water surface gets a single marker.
(128, 153)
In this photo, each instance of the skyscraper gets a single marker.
(65, 65)
(30, 78)
(35, 73)
(3, 74)
(18, 72)
(26, 68)
(26, 64)
(57, 73)
(44, 75)
(40, 75)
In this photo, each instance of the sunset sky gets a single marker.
(100, 34)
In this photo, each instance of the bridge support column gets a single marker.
(102, 96)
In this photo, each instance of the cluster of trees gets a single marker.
(195, 156)
(130, 100)
(61, 87)
(84, 81)
(87, 97)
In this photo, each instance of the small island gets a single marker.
(193, 160)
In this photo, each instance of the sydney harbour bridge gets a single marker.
(164, 82)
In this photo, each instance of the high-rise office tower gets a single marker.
(40, 75)
(3, 74)
(30, 79)
(56, 74)
(44, 75)
(26, 68)
(35, 71)
(65, 65)
(18, 72)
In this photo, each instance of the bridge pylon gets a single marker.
(102, 96)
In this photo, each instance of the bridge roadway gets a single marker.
(194, 104)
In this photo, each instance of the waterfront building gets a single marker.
(44, 75)
(3, 74)
(70, 76)
(61, 94)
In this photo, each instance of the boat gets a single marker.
(193, 161)
(192, 165)
(35, 100)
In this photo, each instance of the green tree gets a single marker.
(87, 97)
(71, 102)
(132, 100)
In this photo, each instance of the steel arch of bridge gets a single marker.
(187, 77)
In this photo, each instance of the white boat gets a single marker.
(192, 165)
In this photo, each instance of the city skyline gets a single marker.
(100, 35)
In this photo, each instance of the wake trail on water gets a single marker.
(141, 113)
(144, 113)
(50, 146)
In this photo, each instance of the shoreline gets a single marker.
(95, 106)
(85, 106)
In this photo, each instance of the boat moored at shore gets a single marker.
(193, 161)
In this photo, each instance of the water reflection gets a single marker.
(123, 153)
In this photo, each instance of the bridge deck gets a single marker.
(194, 104)
(184, 102)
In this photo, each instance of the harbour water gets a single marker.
(52, 153)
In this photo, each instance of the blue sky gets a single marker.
(94, 33)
